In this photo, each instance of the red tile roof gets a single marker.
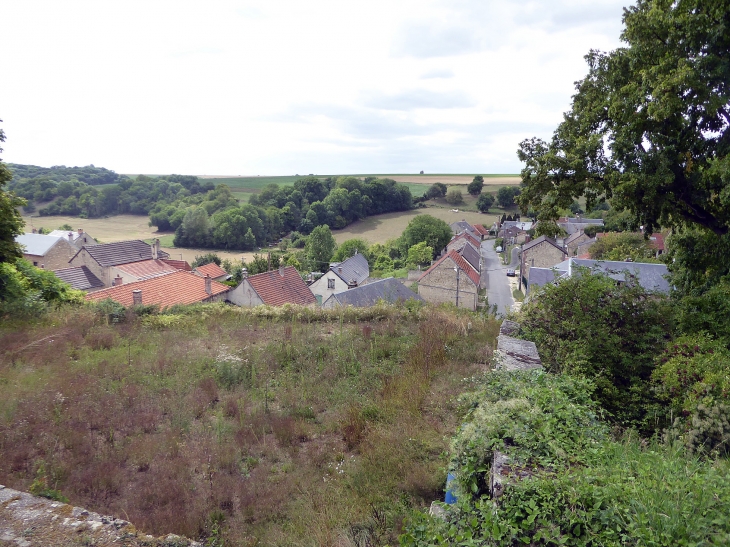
(146, 269)
(481, 229)
(470, 238)
(212, 269)
(460, 262)
(165, 290)
(282, 286)
(656, 241)
(178, 265)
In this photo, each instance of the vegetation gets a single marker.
(476, 185)
(11, 224)
(506, 196)
(454, 196)
(484, 202)
(622, 246)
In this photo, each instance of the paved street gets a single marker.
(498, 288)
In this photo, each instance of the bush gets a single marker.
(454, 196)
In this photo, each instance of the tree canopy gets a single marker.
(434, 231)
(476, 185)
(11, 223)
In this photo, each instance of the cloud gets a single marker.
(438, 73)
(430, 40)
(420, 98)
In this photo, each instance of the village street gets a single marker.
(499, 291)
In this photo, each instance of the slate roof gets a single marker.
(80, 278)
(282, 286)
(462, 226)
(178, 264)
(212, 269)
(650, 276)
(460, 262)
(520, 225)
(537, 277)
(354, 269)
(37, 244)
(465, 235)
(541, 239)
(146, 269)
(581, 220)
(74, 234)
(572, 237)
(389, 289)
(471, 254)
(121, 252)
(165, 290)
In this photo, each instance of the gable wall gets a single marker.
(543, 255)
(84, 259)
(439, 286)
(319, 287)
(56, 258)
(244, 295)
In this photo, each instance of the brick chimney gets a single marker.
(156, 249)
(70, 237)
(81, 231)
(244, 273)
(117, 281)
(137, 297)
(208, 284)
(281, 271)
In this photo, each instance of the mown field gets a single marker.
(253, 427)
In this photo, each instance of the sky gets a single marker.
(291, 87)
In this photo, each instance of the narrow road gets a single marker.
(498, 289)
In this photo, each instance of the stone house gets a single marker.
(46, 251)
(450, 279)
(341, 276)
(276, 288)
(214, 271)
(78, 239)
(573, 241)
(463, 226)
(481, 231)
(80, 278)
(458, 241)
(168, 290)
(542, 252)
(103, 260)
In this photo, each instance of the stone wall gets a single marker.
(542, 255)
(84, 259)
(439, 286)
(56, 258)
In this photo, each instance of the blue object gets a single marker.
(450, 498)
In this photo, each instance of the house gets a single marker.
(140, 270)
(450, 279)
(46, 251)
(539, 277)
(463, 226)
(178, 264)
(78, 239)
(341, 276)
(656, 242)
(573, 241)
(521, 226)
(458, 241)
(542, 252)
(472, 255)
(80, 278)
(104, 259)
(388, 290)
(481, 231)
(652, 277)
(276, 288)
(213, 270)
(572, 225)
(165, 290)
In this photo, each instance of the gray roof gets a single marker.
(520, 225)
(80, 278)
(581, 220)
(574, 236)
(541, 239)
(537, 277)
(389, 289)
(122, 252)
(37, 244)
(354, 269)
(462, 226)
(650, 276)
(471, 255)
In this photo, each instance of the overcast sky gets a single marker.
(284, 87)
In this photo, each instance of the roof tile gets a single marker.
(122, 252)
(80, 278)
(460, 262)
(282, 286)
(212, 269)
(146, 269)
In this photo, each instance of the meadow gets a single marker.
(239, 426)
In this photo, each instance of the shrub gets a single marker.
(454, 196)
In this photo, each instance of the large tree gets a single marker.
(11, 223)
(648, 126)
(320, 247)
(431, 230)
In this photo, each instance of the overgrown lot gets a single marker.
(288, 426)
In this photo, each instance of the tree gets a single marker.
(207, 258)
(476, 185)
(648, 125)
(320, 247)
(348, 248)
(622, 245)
(436, 190)
(484, 202)
(431, 230)
(11, 223)
(506, 196)
(420, 254)
(454, 196)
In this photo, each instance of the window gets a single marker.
(35, 263)
(330, 283)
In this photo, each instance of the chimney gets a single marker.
(35, 231)
(156, 249)
(244, 273)
(70, 237)
(208, 284)
(281, 271)
(339, 269)
(117, 280)
(81, 230)
(137, 297)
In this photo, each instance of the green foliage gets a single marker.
(588, 325)
(436, 190)
(320, 247)
(207, 258)
(425, 228)
(11, 224)
(648, 129)
(346, 249)
(707, 312)
(454, 196)
(420, 254)
(575, 208)
(549, 228)
(592, 230)
(476, 185)
(622, 245)
(40, 487)
(485, 201)
(27, 291)
(506, 196)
